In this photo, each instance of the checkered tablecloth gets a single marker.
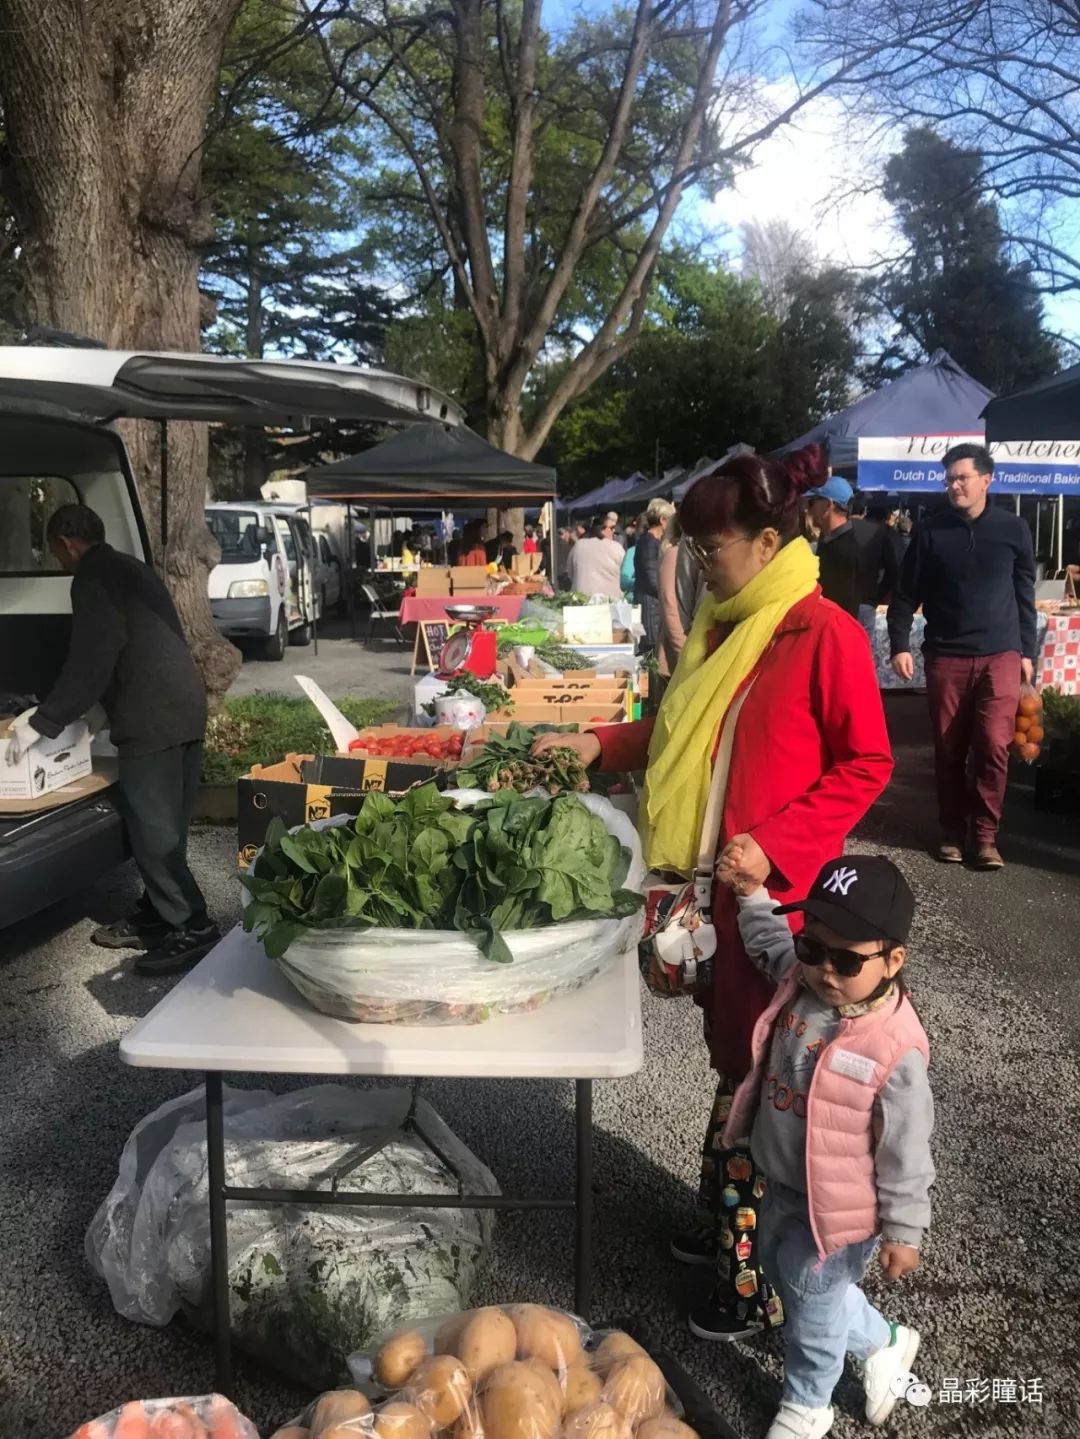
(1059, 655)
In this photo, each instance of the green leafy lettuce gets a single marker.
(510, 862)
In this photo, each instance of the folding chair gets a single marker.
(380, 610)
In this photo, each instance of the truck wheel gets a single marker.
(301, 636)
(274, 648)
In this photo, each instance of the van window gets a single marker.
(26, 504)
(238, 532)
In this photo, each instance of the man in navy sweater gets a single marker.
(972, 568)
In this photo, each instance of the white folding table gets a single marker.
(236, 1012)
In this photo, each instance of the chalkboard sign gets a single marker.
(435, 633)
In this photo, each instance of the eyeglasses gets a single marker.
(706, 554)
(846, 962)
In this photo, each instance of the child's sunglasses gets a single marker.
(845, 961)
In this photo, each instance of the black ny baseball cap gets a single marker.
(860, 896)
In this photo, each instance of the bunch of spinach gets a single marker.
(509, 862)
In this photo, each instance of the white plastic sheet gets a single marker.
(306, 1286)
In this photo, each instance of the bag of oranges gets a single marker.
(1027, 740)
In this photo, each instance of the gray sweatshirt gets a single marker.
(903, 1111)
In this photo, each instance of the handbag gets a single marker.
(676, 952)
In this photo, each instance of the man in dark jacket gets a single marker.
(880, 552)
(972, 568)
(837, 548)
(128, 652)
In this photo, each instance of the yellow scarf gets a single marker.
(701, 689)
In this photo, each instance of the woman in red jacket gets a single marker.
(778, 685)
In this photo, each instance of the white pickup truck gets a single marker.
(57, 446)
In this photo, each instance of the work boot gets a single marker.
(178, 950)
(988, 857)
(951, 850)
(134, 931)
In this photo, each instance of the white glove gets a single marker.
(21, 736)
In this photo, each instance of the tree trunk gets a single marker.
(105, 107)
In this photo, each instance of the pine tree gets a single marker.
(955, 287)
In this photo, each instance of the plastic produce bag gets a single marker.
(306, 1286)
(519, 1371)
(1029, 734)
(408, 976)
(210, 1417)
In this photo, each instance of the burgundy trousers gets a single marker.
(973, 704)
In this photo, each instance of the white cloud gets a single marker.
(810, 174)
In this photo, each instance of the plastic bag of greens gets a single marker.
(440, 976)
(306, 1286)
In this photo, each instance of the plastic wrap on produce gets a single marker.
(208, 1417)
(516, 1371)
(543, 615)
(306, 1286)
(406, 976)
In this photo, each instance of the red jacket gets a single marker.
(811, 755)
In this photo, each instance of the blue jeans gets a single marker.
(827, 1313)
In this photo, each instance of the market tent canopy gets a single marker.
(106, 385)
(648, 490)
(604, 494)
(706, 467)
(938, 398)
(431, 463)
(1048, 410)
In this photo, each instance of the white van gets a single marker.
(57, 447)
(269, 585)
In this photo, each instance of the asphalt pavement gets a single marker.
(992, 974)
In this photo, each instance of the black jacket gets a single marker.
(647, 567)
(975, 580)
(838, 558)
(880, 553)
(127, 652)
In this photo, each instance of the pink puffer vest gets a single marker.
(850, 1072)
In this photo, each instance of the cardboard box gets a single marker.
(302, 788)
(433, 582)
(48, 764)
(468, 579)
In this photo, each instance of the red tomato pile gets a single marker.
(419, 745)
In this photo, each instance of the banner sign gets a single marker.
(1021, 467)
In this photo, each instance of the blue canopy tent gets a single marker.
(938, 398)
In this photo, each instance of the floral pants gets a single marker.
(730, 1193)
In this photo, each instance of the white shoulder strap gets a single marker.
(714, 808)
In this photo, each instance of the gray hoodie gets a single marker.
(903, 1111)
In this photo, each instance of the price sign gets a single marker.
(435, 633)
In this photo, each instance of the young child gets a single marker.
(838, 1111)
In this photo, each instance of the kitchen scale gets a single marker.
(473, 648)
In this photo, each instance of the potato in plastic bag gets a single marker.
(530, 1372)
(211, 1416)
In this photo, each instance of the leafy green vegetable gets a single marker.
(510, 862)
(506, 762)
(493, 696)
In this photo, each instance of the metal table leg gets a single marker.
(219, 1240)
(583, 1199)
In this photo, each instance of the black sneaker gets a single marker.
(179, 950)
(696, 1246)
(718, 1323)
(132, 932)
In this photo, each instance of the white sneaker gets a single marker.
(882, 1372)
(798, 1421)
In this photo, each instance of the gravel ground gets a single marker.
(997, 1296)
